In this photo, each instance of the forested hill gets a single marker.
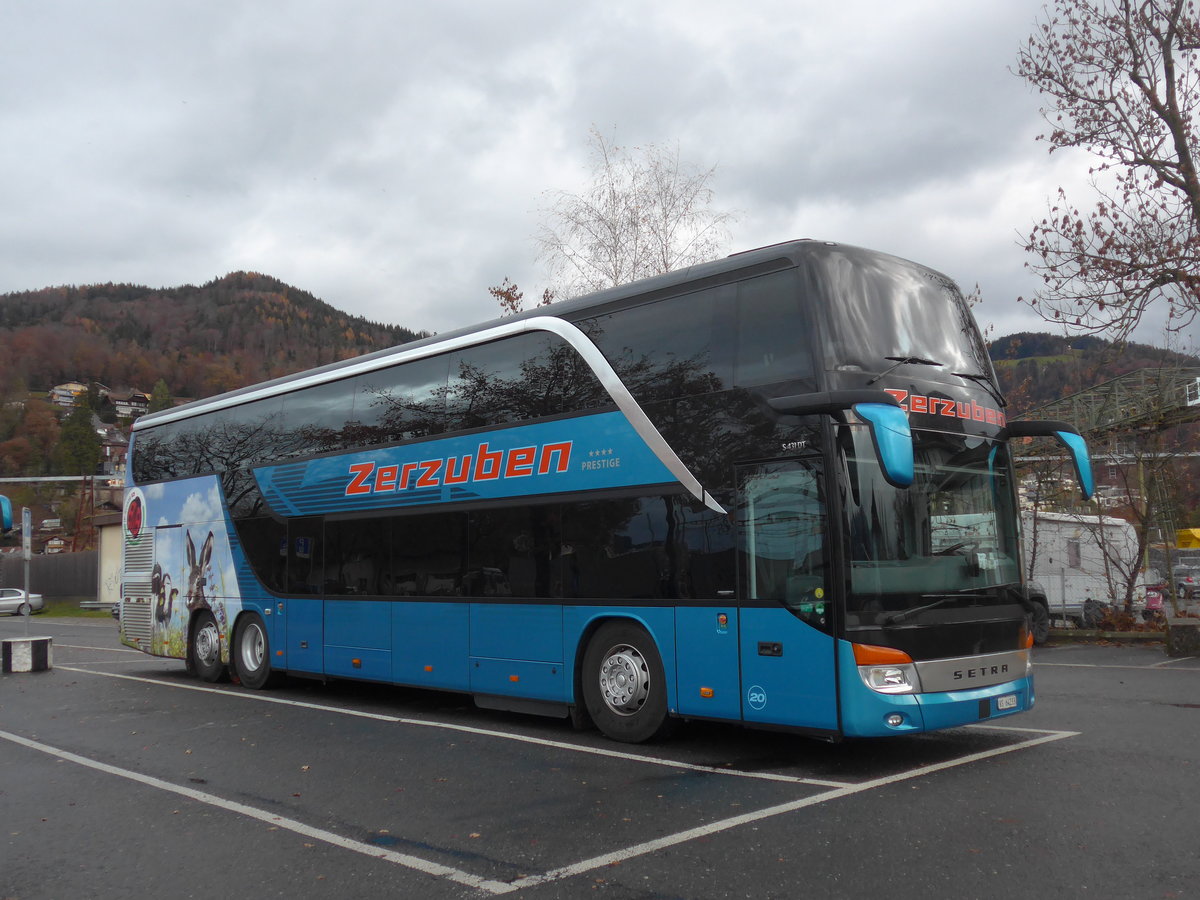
(236, 330)
(1035, 369)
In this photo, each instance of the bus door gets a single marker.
(786, 622)
(304, 619)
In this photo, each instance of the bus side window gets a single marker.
(356, 555)
(305, 564)
(773, 334)
(429, 554)
(782, 513)
(318, 418)
(616, 549)
(400, 403)
(515, 552)
(667, 348)
(508, 380)
(265, 542)
(705, 559)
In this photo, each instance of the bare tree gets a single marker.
(1122, 83)
(645, 213)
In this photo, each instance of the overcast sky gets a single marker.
(391, 158)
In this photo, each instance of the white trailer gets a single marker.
(1076, 558)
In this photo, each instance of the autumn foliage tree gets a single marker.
(1121, 81)
(512, 299)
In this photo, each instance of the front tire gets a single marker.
(1039, 623)
(252, 652)
(204, 648)
(624, 687)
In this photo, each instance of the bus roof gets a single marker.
(743, 264)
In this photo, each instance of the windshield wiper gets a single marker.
(903, 361)
(987, 383)
(906, 614)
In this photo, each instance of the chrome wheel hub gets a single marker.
(254, 648)
(624, 680)
(208, 644)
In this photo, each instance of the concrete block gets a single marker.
(1183, 637)
(27, 654)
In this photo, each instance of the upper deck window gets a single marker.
(774, 331)
(669, 348)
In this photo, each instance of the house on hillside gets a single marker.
(114, 447)
(135, 404)
(67, 395)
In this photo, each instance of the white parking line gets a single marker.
(402, 859)
(563, 872)
(838, 789)
(1145, 668)
(469, 729)
(44, 622)
(102, 649)
(671, 840)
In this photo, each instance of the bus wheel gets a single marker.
(624, 687)
(205, 648)
(1039, 623)
(252, 652)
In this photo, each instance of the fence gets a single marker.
(54, 574)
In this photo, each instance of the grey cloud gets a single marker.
(390, 157)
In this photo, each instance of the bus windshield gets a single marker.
(953, 532)
(882, 309)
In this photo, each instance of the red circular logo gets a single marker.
(133, 517)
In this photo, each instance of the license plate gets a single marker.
(1008, 701)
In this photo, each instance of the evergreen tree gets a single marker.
(78, 450)
(160, 397)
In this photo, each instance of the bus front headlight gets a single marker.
(891, 679)
(886, 669)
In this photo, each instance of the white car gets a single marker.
(14, 601)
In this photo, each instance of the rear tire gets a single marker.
(204, 648)
(624, 687)
(252, 653)
(24, 609)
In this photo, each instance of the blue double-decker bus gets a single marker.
(774, 489)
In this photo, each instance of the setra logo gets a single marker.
(756, 697)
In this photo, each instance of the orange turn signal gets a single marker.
(707, 693)
(870, 655)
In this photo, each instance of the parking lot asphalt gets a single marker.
(121, 776)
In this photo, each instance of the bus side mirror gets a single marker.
(892, 439)
(1070, 438)
(6, 519)
(879, 410)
